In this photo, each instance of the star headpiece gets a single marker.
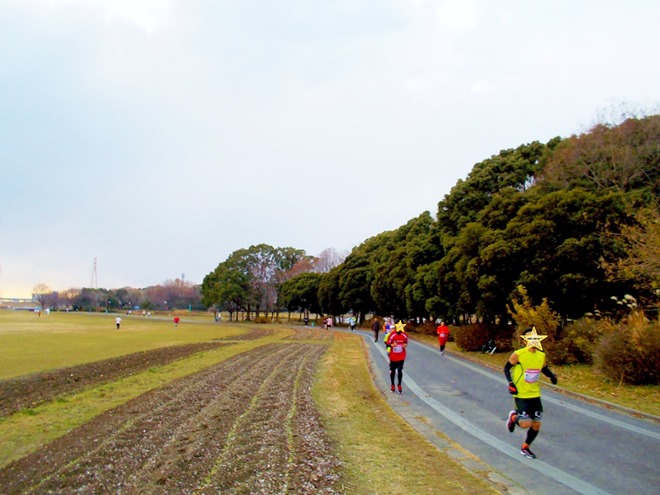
(400, 327)
(532, 339)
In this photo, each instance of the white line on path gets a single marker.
(558, 475)
(578, 409)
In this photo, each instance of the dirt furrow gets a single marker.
(311, 334)
(258, 453)
(204, 437)
(167, 441)
(133, 429)
(314, 466)
(32, 390)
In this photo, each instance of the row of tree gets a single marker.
(172, 294)
(251, 280)
(574, 220)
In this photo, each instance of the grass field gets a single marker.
(30, 343)
(369, 437)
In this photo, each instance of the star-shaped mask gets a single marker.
(400, 327)
(533, 339)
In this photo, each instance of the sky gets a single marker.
(152, 139)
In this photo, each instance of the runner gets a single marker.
(388, 328)
(527, 364)
(397, 341)
(375, 327)
(443, 335)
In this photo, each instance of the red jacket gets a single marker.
(443, 334)
(396, 341)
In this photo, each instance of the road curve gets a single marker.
(582, 447)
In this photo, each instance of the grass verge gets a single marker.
(381, 453)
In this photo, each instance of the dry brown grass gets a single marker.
(382, 454)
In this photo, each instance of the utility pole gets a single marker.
(94, 284)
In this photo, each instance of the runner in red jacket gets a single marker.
(398, 341)
(443, 336)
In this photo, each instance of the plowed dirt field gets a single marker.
(247, 425)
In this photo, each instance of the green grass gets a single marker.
(27, 430)
(369, 435)
(29, 343)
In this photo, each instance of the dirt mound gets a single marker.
(29, 391)
(311, 333)
(245, 426)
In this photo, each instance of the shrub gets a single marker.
(630, 354)
(470, 337)
(578, 342)
(526, 315)
(504, 341)
(427, 328)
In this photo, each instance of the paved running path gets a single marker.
(582, 448)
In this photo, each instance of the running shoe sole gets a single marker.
(528, 453)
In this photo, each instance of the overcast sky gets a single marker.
(158, 137)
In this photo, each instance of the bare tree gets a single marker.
(40, 292)
(328, 259)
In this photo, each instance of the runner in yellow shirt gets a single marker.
(523, 370)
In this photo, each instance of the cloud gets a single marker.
(415, 84)
(159, 136)
(481, 86)
(148, 15)
(457, 16)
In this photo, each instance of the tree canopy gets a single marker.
(560, 219)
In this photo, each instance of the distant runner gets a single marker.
(388, 328)
(443, 336)
(375, 327)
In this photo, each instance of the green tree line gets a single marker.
(574, 221)
(171, 294)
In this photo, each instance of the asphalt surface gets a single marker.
(582, 447)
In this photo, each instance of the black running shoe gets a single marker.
(527, 453)
(510, 423)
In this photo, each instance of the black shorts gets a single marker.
(396, 365)
(529, 409)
